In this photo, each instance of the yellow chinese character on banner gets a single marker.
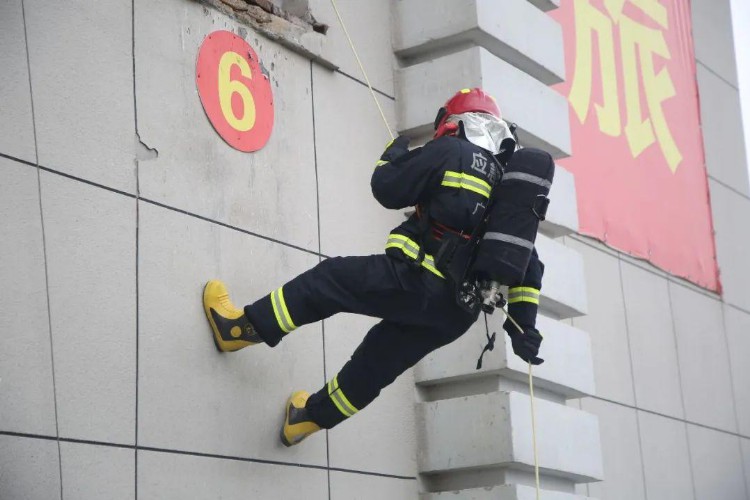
(638, 45)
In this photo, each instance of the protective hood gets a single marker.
(484, 130)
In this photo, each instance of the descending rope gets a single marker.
(533, 410)
(362, 68)
(533, 432)
(390, 132)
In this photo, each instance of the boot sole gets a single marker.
(214, 329)
(284, 440)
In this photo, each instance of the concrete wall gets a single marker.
(672, 393)
(118, 200)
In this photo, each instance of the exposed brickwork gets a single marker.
(261, 11)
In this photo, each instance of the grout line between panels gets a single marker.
(646, 266)
(632, 377)
(679, 380)
(734, 306)
(203, 455)
(717, 75)
(734, 397)
(229, 226)
(20, 160)
(164, 205)
(44, 245)
(317, 204)
(68, 176)
(727, 186)
(351, 77)
(137, 255)
(664, 415)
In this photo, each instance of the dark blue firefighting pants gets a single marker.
(418, 311)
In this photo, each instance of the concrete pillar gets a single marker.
(474, 426)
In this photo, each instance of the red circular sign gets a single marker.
(235, 92)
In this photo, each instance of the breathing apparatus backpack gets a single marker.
(500, 247)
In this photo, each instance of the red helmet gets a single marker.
(464, 101)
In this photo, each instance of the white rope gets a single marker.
(533, 431)
(533, 410)
(362, 68)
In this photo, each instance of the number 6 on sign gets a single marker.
(229, 87)
(235, 93)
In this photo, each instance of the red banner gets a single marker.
(637, 148)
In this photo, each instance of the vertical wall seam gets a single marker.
(320, 259)
(729, 367)
(627, 331)
(44, 245)
(137, 252)
(734, 400)
(676, 350)
(682, 389)
(632, 377)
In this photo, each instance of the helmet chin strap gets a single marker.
(461, 131)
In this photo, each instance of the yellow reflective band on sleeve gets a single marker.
(411, 249)
(523, 294)
(461, 180)
(383, 162)
(338, 398)
(281, 312)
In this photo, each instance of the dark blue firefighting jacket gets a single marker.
(452, 180)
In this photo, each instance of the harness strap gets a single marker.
(490, 342)
(438, 229)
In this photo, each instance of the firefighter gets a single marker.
(450, 181)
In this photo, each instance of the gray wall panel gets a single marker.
(623, 467)
(717, 464)
(369, 25)
(92, 472)
(90, 237)
(654, 356)
(721, 124)
(29, 469)
(345, 486)
(346, 157)
(737, 324)
(606, 323)
(228, 403)
(712, 36)
(82, 72)
(270, 192)
(666, 457)
(704, 360)
(166, 476)
(16, 126)
(731, 244)
(27, 399)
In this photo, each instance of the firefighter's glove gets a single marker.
(394, 149)
(526, 344)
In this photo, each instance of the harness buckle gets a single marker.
(541, 203)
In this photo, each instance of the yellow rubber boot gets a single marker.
(297, 424)
(231, 328)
